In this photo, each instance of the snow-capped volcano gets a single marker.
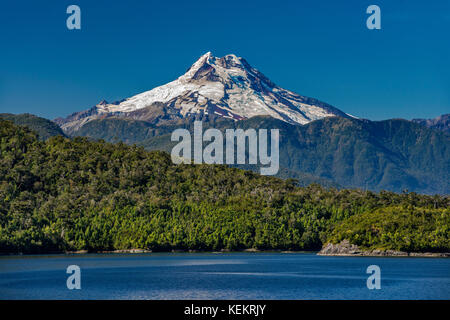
(227, 87)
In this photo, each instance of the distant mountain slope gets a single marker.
(154, 137)
(392, 154)
(227, 87)
(440, 123)
(43, 127)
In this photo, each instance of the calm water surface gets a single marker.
(222, 276)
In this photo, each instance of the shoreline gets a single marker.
(399, 254)
(346, 249)
(146, 251)
(330, 250)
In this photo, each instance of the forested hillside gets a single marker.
(393, 155)
(72, 194)
(43, 127)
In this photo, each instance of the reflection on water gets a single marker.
(222, 276)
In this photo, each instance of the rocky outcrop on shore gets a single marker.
(345, 248)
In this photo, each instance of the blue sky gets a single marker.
(320, 49)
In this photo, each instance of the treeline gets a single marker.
(72, 194)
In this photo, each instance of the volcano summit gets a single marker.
(226, 87)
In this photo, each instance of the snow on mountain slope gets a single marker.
(227, 87)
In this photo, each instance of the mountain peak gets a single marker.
(209, 64)
(207, 55)
(228, 87)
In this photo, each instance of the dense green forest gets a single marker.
(74, 194)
